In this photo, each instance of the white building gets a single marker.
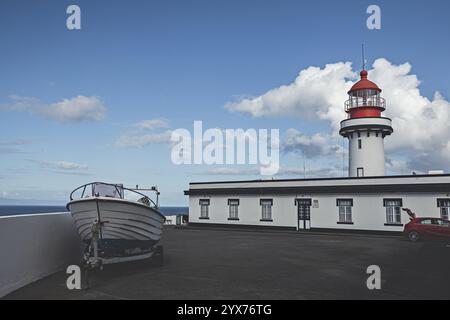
(368, 203)
(176, 220)
(366, 200)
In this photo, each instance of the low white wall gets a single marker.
(35, 246)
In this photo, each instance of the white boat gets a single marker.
(116, 223)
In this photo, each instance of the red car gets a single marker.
(427, 229)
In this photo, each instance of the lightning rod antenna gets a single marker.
(363, 58)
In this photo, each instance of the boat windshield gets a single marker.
(118, 191)
(107, 190)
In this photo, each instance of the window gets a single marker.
(444, 205)
(359, 134)
(359, 144)
(376, 134)
(345, 210)
(204, 208)
(445, 212)
(360, 172)
(233, 205)
(368, 134)
(442, 223)
(266, 209)
(107, 190)
(393, 211)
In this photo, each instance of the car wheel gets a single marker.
(413, 236)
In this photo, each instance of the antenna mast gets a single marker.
(304, 165)
(363, 58)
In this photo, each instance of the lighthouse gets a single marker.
(365, 128)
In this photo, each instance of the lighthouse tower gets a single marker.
(365, 128)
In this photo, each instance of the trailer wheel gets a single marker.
(158, 257)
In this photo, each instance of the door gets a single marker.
(303, 214)
(360, 172)
(425, 228)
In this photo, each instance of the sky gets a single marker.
(100, 103)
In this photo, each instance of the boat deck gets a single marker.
(234, 264)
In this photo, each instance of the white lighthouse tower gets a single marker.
(365, 128)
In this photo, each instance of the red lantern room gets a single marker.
(364, 99)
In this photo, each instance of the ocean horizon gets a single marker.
(10, 210)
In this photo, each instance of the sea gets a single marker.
(10, 210)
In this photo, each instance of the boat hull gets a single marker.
(127, 227)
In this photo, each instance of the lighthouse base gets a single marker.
(366, 145)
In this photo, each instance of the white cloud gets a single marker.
(140, 140)
(66, 165)
(315, 94)
(9, 150)
(17, 142)
(77, 109)
(136, 138)
(311, 146)
(419, 123)
(13, 146)
(63, 165)
(283, 171)
(151, 124)
(233, 171)
(421, 126)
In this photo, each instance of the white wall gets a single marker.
(371, 155)
(35, 246)
(249, 210)
(368, 212)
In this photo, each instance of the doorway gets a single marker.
(303, 214)
(360, 172)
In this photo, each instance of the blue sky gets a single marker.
(182, 61)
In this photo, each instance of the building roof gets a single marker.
(383, 184)
(416, 176)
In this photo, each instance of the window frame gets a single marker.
(233, 203)
(345, 210)
(393, 211)
(266, 203)
(204, 203)
(444, 208)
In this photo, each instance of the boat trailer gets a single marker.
(92, 260)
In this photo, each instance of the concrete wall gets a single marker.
(35, 246)
(368, 212)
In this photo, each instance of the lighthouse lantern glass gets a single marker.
(364, 98)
